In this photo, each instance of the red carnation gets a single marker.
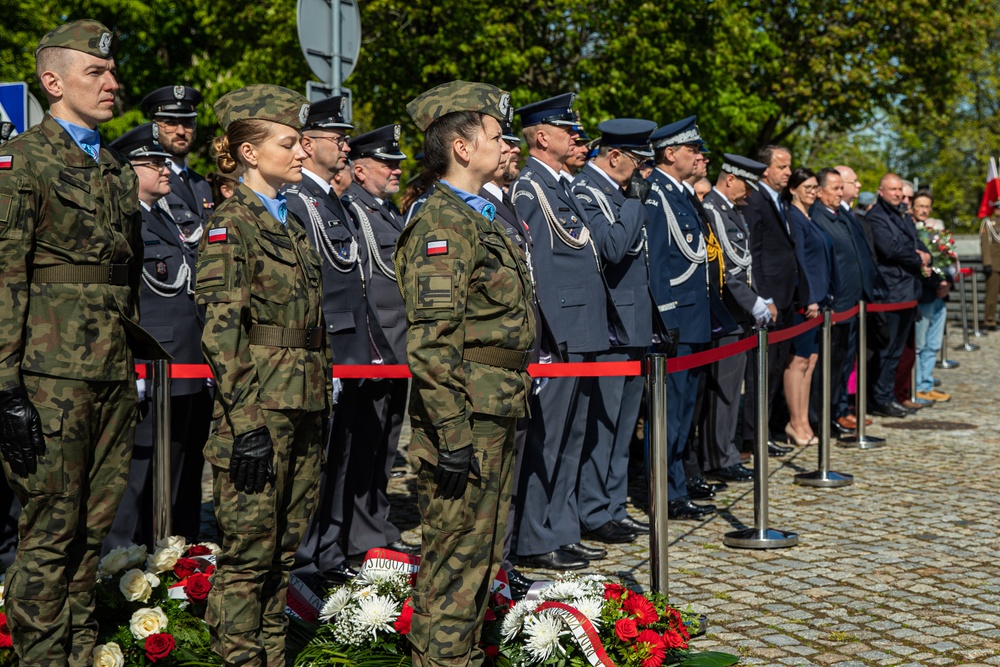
(641, 609)
(651, 643)
(185, 567)
(197, 587)
(5, 640)
(491, 651)
(490, 616)
(674, 639)
(626, 629)
(198, 550)
(402, 623)
(613, 591)
(159, 646)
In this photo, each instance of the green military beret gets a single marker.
(91, 37)
(263, 102)
(460, 96)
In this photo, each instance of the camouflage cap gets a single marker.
(89, 36)
(263, 102)
(460, 96)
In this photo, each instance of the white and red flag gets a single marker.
(991, 197)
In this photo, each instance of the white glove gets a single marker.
(140, 387)
(338, 387)
(761, 314)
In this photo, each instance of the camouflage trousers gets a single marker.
(69, 504)
(261, 532)
(462, 545)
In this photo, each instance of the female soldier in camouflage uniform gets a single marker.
(259, 279)
(470, 332)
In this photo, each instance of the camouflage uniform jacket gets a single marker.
(58, 207)
(465, 286)
(254, 270)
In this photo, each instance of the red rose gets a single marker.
(490, 616)
(185, 567)
(613, 591)
(402, 623)
(197, 587)
(198, 550)
(210, 569)
(641, 609)
(626, 629)
(673, 639)
(651, 644)
(5, 640)
(159, 646)
(491, 651)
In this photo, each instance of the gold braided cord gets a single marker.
(715, 254)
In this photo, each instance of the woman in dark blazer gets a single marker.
(815, 254)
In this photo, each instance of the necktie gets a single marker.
(187, 184)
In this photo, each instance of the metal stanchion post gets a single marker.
(975, 305)
(943, 362)
(656, 428)
(860, 440)
(824, 477)
(913, 381)
(966, 345)
(761, 536)
(162, 521)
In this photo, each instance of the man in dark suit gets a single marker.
(738, 177)
(776, 274)
(901, 262)
(174, 111)
(617, 222)
(170, 314)
(375, 158)
(681, 287)
(571, 294)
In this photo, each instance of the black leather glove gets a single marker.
(638, 188)
(21, 439)
(987, 271)
(668, 345)
(452, 473)
(251, 465)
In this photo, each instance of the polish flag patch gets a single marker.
(437, 248)
(6, 161)
(217, 235)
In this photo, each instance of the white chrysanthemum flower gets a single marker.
(377, 612)
(591, 608)
(374, 576)
(562, 591)
(543, 633)
(335, 604)
(513, 620)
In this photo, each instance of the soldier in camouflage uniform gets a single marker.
(471, 327)
(72, 252)
(259, 279)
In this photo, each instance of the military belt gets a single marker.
(107, 274)
(514, 360)
(270, 336)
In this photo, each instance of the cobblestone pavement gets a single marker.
(898, 569)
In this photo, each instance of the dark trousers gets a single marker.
(777, 360)
(845, 351)
(602, 490)
(715, 447)
(547, 513)
(190, 419)
(906, 360)
(886, 361)
(682, 392)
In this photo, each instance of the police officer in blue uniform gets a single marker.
(681, 287)
(617, 221)
(170, 314)
(375, 159)
(174, 111)
(572, 296)
(351, 324)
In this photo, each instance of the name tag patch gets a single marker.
(217, 235)
(437, 248)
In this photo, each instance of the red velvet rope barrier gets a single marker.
(585, 369)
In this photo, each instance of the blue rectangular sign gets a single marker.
(14, 104)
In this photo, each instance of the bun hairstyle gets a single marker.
(226, 148)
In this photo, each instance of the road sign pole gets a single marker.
(335, 79)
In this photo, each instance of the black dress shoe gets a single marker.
(774, 449)
(587, 553)
(339, 575)
(699, 489)
(554, 560)
(892, 409)
(404, 548)
(838, 428)
(734, 473)
(634, 525)
(609, 533)
(683, 508)
(519, 584)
